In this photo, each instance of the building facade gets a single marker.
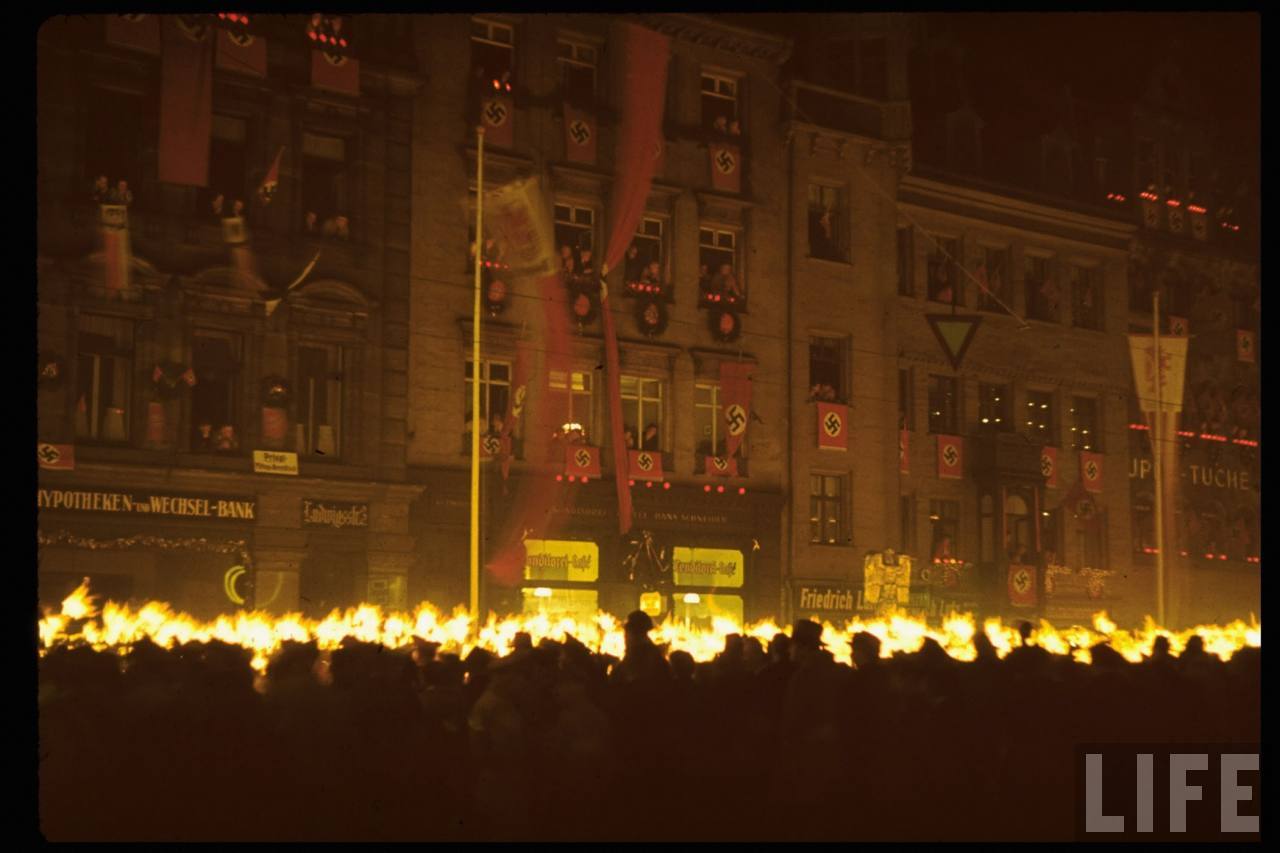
(173, 346)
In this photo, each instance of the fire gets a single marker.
(118, 627)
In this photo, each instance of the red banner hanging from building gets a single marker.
(735, 403)
(721, 466)
(833, 426)
(950, 457)
(56, 457)
(1022, 585)
(242, 52)
(186, 102)
(335, 72)
(582, 460)
(498, 116)
(726, 167)
(1091, 471)
(644, 58)
(136, 32)
(579, 135)
(645, 465)
(1049, 466)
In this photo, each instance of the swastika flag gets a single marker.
(833, 426)
(950, 457)
(582, 460)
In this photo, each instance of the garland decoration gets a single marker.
(169, 377)
(276, 391)
(51, 371)
(238, 547)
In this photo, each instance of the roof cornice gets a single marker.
(701, 29)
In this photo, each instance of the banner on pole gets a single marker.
(1173, 365)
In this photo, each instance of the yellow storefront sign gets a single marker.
(581, 605)
(275, 462)
(699, 611)
(706, 567)
(561, 560)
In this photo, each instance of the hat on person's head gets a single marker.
(639, 622)
(806, 632)
(867, 644)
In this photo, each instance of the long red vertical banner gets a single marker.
(644, 56)
(186, 101)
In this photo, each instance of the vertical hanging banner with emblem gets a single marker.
(1049, 466)
(238, 49)
(1022, 585)
(520, 218)
(735, 402)
(581, 460)
(332, 66)
(519, 392)
(56, 457)
(1091, 471)
(136, 32)
(498, 116)
(1244, 346)
(726, 167)
(579, 135)
(833, 426)
(1173, 364)
(186, 100)
(904, 452)
(950, 457)
(645, 465)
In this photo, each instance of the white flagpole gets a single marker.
(475, 384)
(1157, 453)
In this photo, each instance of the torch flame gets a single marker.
(118, 627)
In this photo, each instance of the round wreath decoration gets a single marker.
(51, 371)
(651, 317)
(725, 324)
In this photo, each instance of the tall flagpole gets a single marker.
(1157, 453)
(476, 373)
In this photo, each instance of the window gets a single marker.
(577, 65)
(995, 272)
(113, 136)
(642, 412)
(1040, 417)
(215, 359)
(495, 393)
(826, 369)
(1020, 538)
(1041, 290)
(325, 190)
(1086, 298)
(944, 405)
(1091, 538)
(227, 166)
(873, 67)
(1147, 163)
(707, 421)
(104, 366)
(492, 51)
(906, 284)
(907, 524)
(995, 407)
(572, 394)
(1084, 424)
(320, 378)
(648, 250)
(575, 238)
(944, 282)
(1051, 535)
(718, 273)
(719, 102)
(828, 223)
(826, 509)
(944, 524)
(906, 399)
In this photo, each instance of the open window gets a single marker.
(215, 411)
(326, 199)
(104, 367)
(719, 274)
(320, 394)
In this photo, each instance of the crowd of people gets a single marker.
(554, 741)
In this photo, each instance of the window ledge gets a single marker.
(832, 261)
